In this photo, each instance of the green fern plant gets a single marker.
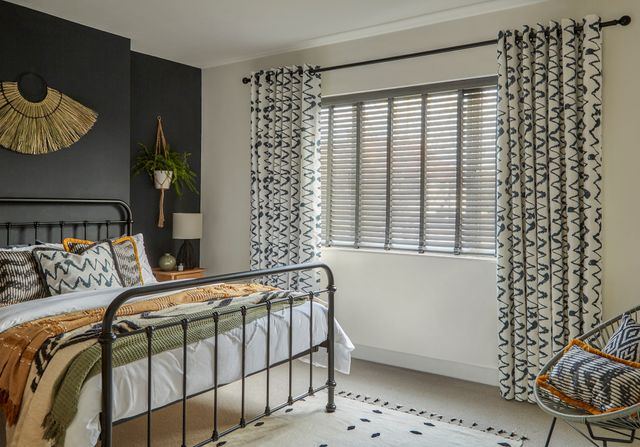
(148, 161)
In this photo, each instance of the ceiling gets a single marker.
(207, 33)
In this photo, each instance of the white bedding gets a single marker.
(130, 381)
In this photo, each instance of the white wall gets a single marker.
(434, 313)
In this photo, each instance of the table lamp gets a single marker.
(187, 226)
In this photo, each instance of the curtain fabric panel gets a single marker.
(285, 172)
(549, 212)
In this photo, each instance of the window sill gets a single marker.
(411, 253)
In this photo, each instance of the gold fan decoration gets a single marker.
(36, 128)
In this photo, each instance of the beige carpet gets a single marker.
(356, 423)
(452, 398)
(166, 429)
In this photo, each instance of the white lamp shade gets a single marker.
(187, 225)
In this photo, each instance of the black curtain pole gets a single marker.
(623, 21)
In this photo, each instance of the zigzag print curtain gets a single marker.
(285, 172)
(549, 215)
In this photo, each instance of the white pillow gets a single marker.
(147, 272)
(48, 245)
(31, 247)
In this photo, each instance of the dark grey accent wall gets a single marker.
(128, 90)
(173, 91)
(90, 66)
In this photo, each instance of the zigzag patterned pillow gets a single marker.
(125, 252)
(625, 341)
(93, 268)
(592, 380)
(19, 277)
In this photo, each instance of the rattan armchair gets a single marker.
(618, 426)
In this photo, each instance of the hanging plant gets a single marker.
(165, 167)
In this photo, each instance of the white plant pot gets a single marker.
(162, 179)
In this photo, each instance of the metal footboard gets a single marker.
(108, 337)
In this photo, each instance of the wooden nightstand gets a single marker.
(175, 274)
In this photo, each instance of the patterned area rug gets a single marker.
(360, 422)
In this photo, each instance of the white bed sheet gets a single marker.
(130, 381)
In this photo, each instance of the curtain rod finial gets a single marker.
(624, 20)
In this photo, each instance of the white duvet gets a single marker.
(130, 381)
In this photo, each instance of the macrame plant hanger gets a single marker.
(162, 178)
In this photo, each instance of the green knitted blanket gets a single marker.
(131, 348)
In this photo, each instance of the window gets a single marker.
(411, 169)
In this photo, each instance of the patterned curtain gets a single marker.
(285, 172)
(549, 217)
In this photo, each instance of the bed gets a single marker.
(253, 332)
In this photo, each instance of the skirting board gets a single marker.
(457, 370)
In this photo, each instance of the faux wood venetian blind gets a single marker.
(411, 169)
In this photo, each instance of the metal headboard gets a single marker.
(125, 221)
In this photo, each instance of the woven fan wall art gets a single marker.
(53, 122)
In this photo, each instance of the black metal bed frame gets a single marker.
(125, 223)
(107, 336)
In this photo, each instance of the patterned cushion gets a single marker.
(592, 380)
(126, 255)
(64, 272)
(19, 277)
(625, 341)
(147, 273)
